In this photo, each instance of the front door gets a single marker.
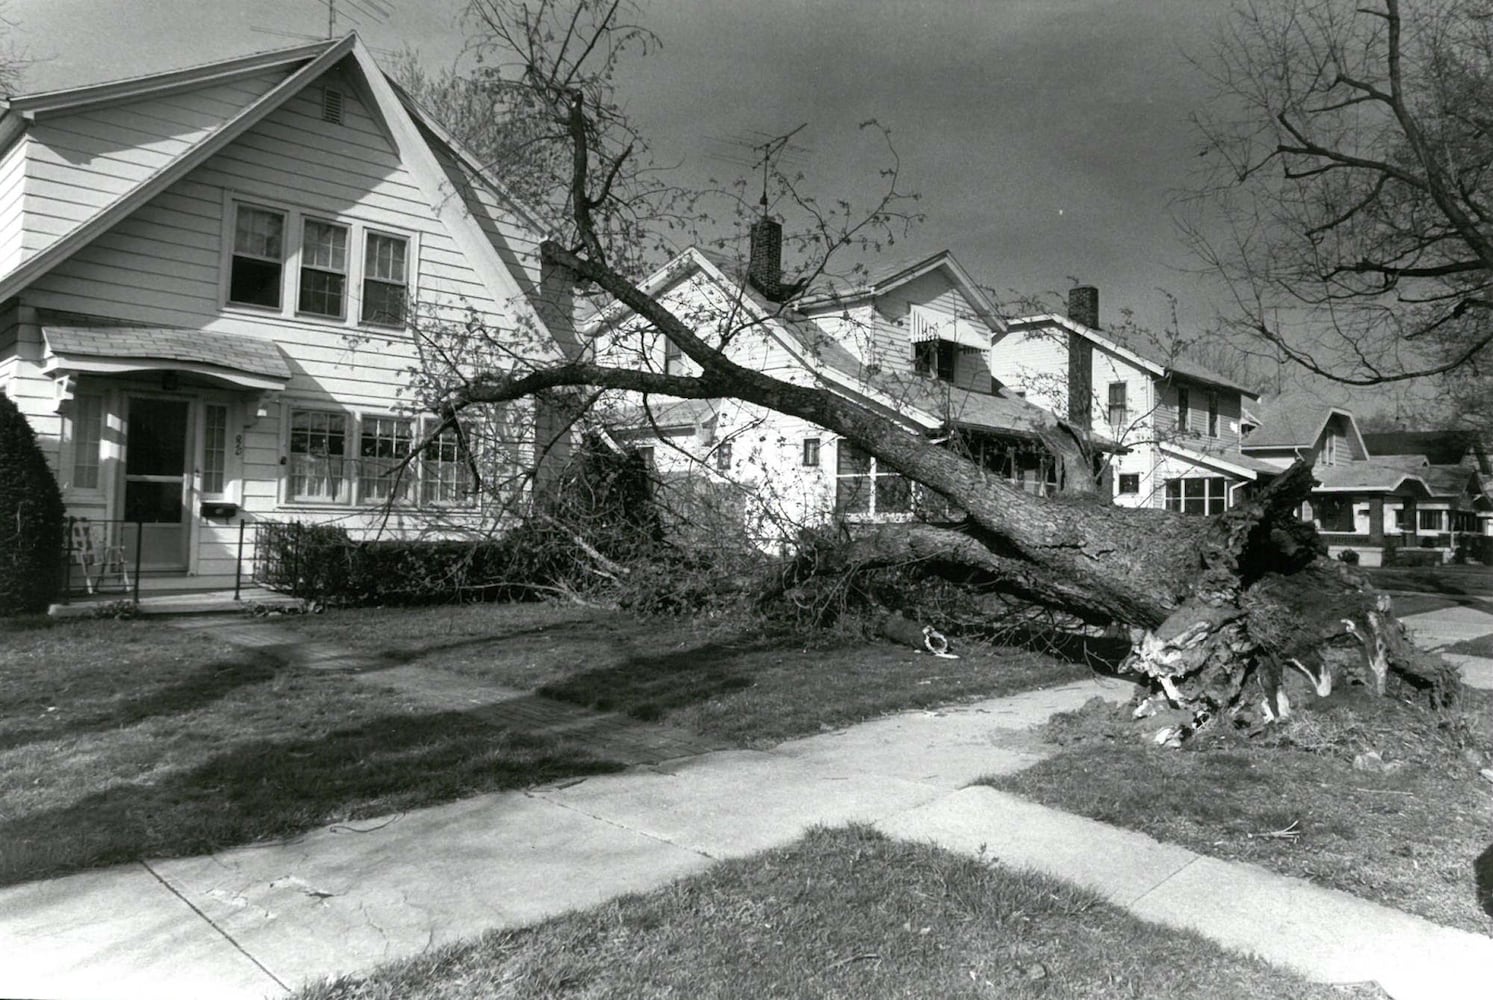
(156, 482)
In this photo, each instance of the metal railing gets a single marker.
(102, 557)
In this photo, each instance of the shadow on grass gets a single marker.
(265, 790)
(649, 686)
(79, 715)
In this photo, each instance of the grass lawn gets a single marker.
(1450, 580)
(727, 680)
(1481, 646)
(124, 740)
(841, 913)
(1408, 839)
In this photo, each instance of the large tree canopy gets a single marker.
(1214, 603)
(1350, 183)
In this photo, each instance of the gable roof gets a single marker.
(930, 404)
(314, 61)
(896, 273)
(1297, 423)
(1147, 360)
(1369, 477)
(1438, 447)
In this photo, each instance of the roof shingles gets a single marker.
(222, 350)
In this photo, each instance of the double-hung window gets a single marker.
(318, 452)
(258, 257)
(1119, 408)
(385, 472)
(1184, 410)
(1213, 414)
(445, 470)
(384, 279)
(323, 269)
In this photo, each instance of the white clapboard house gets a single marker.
(211, 283)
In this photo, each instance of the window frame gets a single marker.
(936, 358)
(294, 217)
(1213, 414)
(874, 477)
(369, 235)
(302, 267)
(1117, 424)
(810, 456)
(232, 254)
(223, 451)
(1120, 484)
(1212, 494)
(1184, 410)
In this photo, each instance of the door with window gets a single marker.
(157, 481)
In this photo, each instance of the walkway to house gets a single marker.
(258, 920)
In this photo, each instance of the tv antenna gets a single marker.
(770, 149)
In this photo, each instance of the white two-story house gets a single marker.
(1179, 423)
(910, 342)
(214, 284)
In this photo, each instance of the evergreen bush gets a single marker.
(31, 518)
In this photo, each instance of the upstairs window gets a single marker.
(1119, 407)
(1129, 482)
(673, 358)
(1184, 408)
(258, 257)
(384, 280)
(937, 358)
(1213, 414)
(323, 269)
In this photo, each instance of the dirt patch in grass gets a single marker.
(122, 740)
(726, 679)
(841, 913)
(1292, 800)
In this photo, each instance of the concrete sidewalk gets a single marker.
(1438, 629)
(260, 920)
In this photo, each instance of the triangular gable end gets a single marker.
(404, 134)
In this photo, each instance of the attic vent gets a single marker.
(331, 105)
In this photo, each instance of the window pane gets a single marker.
(385, 258)
(811, 451)
(383, 448)
(321, 292)
(87, 432)
(324, 246)
(259, 233)
(445, 472)
(850, 460)
(893, 494)
(1193, 488)
(254, 283)
(214, 448)
(384, 280)
(853, 494)
(382, 303)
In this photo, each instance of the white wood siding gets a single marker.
(81, 163)
(1035, 362)
(12, 204)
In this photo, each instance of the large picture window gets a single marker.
(384, 280)
(862, 488)
(1197, 495)
(258, 257)
(342, 458)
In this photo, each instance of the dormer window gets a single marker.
(936, 358)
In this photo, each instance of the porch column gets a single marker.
(1376, 521)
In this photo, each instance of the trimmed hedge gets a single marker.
(31, 518)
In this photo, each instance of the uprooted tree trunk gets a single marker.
(1223, 612)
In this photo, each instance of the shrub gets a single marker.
(31, 518)
(1349, 556)
(1405, 556)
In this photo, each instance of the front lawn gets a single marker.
(1292, 800)
(126, 740)
(730, 680)
(841, 913)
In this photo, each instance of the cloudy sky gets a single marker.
(1047, 138)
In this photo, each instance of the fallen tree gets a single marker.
(1222, 611)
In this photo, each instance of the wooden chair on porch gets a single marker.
(98, 556)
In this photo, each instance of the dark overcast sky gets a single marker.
(1047, 138)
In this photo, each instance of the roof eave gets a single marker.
(74, 99)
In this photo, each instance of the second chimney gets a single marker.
(1083, 305)
(765, 267)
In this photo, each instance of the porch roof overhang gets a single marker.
(238, 360)
(1235, 465)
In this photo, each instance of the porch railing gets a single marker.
(103, 557)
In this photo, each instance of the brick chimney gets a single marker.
(1083, 308)
(765, 268)
(1083, 305)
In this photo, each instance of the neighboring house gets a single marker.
(909, 344)
(209, 285)
(1179, 423)
(1375, 492)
